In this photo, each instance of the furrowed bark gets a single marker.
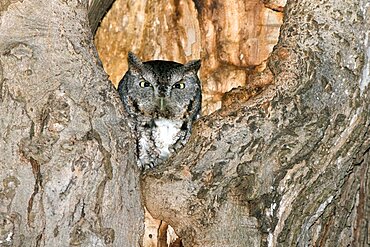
(68, 175)
(291, 166)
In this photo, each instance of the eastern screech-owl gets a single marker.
(163, 99)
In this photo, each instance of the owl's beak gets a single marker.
(161, 103)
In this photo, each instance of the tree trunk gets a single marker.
(68, 174)
(291, 166)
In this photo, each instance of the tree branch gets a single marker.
(272, 170)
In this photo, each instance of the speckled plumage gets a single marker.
(163, 99)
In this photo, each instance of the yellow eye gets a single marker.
(144, 84)
(179, 85)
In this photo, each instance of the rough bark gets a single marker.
(68, 175)
(287, 168)
(291, 166)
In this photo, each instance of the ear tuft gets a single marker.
(134, 63)
(193, 66)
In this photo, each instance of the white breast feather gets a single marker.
(165, 135)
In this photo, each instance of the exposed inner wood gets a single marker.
(233, 39)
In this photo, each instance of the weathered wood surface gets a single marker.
(291, 166)
(68, 174)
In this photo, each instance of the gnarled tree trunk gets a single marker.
(289, 167)
(68, 175)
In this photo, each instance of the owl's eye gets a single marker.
(144, 84)
(179, 85)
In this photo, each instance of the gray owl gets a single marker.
(163, 99)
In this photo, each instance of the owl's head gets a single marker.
(161, 89)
